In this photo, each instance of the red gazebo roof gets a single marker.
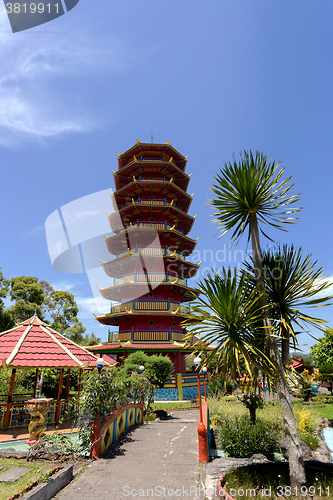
(33, 344)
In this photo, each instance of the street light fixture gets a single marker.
(100, 362)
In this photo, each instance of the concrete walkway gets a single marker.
(155, 460)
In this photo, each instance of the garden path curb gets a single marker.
(55, 483)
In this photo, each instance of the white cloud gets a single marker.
(64, 285)
(35, 68)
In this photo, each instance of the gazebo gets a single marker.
(34, 344)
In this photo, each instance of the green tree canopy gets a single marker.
(157, 369)
(322, 352)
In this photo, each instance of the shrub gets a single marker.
(158, 369)
(305, 389)
(306, 421)
(221, 387)
(310, 439)
(240, 438)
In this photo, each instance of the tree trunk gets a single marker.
(296, 463)
(285, 345)
(253, 415)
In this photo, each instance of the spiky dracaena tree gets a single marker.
(249, 193)
(228, 314)
(292, 282)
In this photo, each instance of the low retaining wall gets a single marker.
(107, 432)
(181, 387)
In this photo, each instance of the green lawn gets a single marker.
(161, 406)
(9, 489)
(326, 412)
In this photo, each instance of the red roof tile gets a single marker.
(33, 343)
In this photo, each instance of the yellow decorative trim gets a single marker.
(199, 263)
(102, 261)
(192, 195)
(186, 157)
(195, 216)
(172, 202)
(134, 179)
(171, 180)
(171, 159)
(196, 239)
(134, 159)
(18, 345)
(176, 311)
(138, 141)
(174, 282)
(114, 172)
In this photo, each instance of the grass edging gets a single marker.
(48, 489)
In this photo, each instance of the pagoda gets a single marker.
(151, 248)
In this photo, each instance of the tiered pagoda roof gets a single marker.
(151, 244)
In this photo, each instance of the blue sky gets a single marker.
(212, 77)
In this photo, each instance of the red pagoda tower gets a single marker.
(151, 245)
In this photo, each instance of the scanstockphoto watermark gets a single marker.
(202, 492)
(181, 492)
(26, 14)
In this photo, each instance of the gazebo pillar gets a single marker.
(67, 383)
(61, 377)
(36, 381)
(10, 397)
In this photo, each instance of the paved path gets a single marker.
(155, 460)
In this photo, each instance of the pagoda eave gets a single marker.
(165, 150)
(116, 293)
(118, 242)
(117, 267)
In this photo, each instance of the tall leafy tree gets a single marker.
(28, 296)
(248, 194)
(6, 319)
(60, 306)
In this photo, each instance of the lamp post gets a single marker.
(205, 373)
(100, 363)
(141, 368)
(202, 431)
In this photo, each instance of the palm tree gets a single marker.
(228, 315)
(291, 283)
(248, 194)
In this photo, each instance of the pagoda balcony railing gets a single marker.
(151, 305)
(151, 250)
(147, 201)
(152, 225)
(135, 335)
(150, 277)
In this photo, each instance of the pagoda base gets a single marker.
(181, 387)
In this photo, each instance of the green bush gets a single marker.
(310, 439)
(221, 387)
(158, 369)
(240, 438)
